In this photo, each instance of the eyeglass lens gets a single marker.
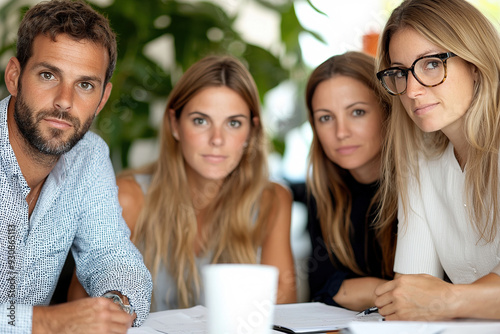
(427, 71)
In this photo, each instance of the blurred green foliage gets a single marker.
(196, 29)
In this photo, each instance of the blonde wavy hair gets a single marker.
(458, 27)
(167, 227)
(326, 179)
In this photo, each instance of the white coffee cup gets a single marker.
(240, 298)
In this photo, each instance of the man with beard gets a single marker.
(58, 189)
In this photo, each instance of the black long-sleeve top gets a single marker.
(326, 275)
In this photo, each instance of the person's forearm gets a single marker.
(477, 300)
(40, 322)
(287, 291)
(358, 293)
(87, 315)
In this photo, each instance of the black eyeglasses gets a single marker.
(429, 71)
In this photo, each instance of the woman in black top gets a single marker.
(347, 112)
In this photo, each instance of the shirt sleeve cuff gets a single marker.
(16, 318)
(496, 270)
(330, 289)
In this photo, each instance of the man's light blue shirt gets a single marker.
(77, 209)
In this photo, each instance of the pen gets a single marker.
(370, 310)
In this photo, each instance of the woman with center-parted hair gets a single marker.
(208, 198)
(347, 113)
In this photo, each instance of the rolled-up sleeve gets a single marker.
(16, 318)
(105, 257)
(496, 270)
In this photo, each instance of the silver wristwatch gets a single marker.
(118, 300)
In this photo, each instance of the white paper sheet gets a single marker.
(182, 321)
(413, 327)
(312, 317)
(305, 317)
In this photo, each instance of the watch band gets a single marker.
(118, 300)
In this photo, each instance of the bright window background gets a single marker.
(346, 22)
(342, 27)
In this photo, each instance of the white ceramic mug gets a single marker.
(240, 298)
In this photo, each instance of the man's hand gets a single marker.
(88, 315)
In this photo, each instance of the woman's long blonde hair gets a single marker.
(167, 227)
(458, 27)
(327, 178)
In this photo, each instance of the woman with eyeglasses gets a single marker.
(440, 59)
(347, 113)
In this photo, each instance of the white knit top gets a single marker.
(437, 236)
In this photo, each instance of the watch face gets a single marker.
(128, 309)
(117, 300)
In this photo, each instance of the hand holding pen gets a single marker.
(370, 310)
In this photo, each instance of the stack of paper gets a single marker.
(290, 318)
(314, 318)
(311, 318)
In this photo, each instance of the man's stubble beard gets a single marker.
(28, 123)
